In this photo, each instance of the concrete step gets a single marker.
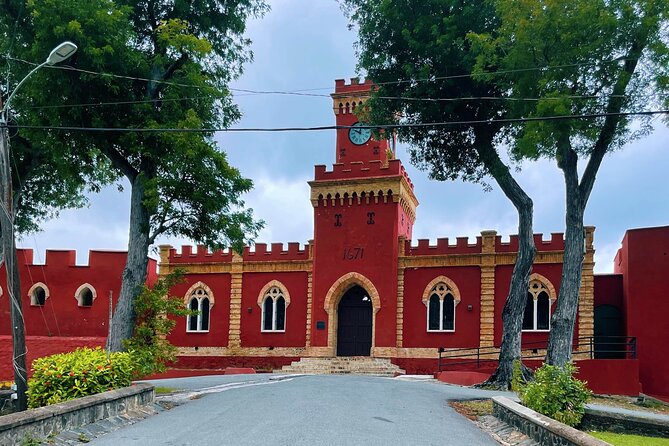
(357, 365)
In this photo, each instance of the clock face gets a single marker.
(359, 136)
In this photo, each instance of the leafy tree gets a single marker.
(598, 57)
(422, 62)
(155, 310)
(181, 184)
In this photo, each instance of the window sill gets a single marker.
(441, 331)
(537, 331)
(197, 331)
(272, 331)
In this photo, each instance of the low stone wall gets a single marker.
(540, 428)
(41, 422)
(625, 423)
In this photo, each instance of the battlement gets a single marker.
(257, 253)
(355, 86)
(359, 169)
(57, 258)
(443, 247)
(556, 243)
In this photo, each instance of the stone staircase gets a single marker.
(354, 365)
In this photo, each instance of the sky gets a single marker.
(307, 44)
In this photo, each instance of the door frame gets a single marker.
(334, 296)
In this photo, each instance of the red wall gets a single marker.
(61, 315)
(643, 259)
(219, 316)
(296, 313)
(466, 334)
(503, 274)
(378, 263)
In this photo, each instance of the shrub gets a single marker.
(154, 306)
(83, 372)
(557, 394)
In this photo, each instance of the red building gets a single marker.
(360, 287)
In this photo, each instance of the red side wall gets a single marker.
(61, 315)
(643, 259)
(466, 334)
(296, 313)
(503, 274)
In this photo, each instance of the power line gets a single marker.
(340, 127)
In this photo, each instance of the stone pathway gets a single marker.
(503, 433)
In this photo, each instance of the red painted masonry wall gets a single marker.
(61, 315)
(643, 260)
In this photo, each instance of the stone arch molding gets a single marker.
(343, 284)
(452, 288)
(32, 290)
(77, 294)
(546, 286)
(268, 286)
(199, 285)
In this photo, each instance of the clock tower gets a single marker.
(363, 210)
(357, 143)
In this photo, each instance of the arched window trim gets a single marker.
(266, 293)
(431, 289)
(31, 292)
(539, 284)
(80, 290)
(199, 292)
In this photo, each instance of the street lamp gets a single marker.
(58, 54)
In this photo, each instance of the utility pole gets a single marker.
(11, 266)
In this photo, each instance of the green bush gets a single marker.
(557, 394)
(83, 372)
(155, 310)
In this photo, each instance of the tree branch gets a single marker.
(120, 162)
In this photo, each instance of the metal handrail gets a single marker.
(593, 343)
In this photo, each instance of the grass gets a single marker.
(473, 409)
(629, 439)
(164, 390)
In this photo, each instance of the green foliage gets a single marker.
(556, 393)
(517, 380)
(85, 371)
(617, 439)
(155, 309)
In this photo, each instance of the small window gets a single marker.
(200, 304)
(537, 315)
(38, 293)
(85, 295)
(441, 308)
(274, 310)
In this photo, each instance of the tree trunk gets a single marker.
(512, 315)
(563, 320)
(12, 268)
(134, 274)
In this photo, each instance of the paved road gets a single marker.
(307, 410)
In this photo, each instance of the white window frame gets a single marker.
(77, 294)
(33, 302)
(441, 286)
(199, 291)
(536, 287)
(274, 313)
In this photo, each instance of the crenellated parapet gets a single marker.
(348, 97)
(56, 258)
(359, 169)
(555, 243)
(257, 253)
(443, 247)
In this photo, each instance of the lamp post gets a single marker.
(58, 54)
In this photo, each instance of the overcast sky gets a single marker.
(306, 44)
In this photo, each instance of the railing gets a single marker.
(595, 347)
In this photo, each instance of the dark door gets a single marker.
(354, 325)
(609, 331)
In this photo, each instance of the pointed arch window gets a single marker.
(199, 299)
(273, 300)
(85, 295)
(441, 297)
(38, 294)
(540, 298)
